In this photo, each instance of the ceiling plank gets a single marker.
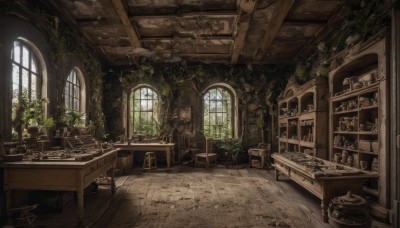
(133, 37)
(282, 9)
(246, 10)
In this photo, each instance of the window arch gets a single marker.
(144, 110)
(26, 72)
(219, 112)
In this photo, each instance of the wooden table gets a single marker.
(167, 147)
(63, 175)
(323, 185)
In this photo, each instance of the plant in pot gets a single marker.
(27, 113)
(235, 148)
(44, 129)
(34, 115)
(74, 120)
(18, 118)
(60, 120)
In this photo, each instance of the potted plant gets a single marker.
(73, 120)
(27, 114)
(34, 115)
(235, 148)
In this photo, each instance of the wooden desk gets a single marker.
(167, 147)
(324, 185)
(63, 175)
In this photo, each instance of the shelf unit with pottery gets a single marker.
(358, 117)
(303, 118)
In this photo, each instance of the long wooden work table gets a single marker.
(166, 147)
(322, 178)
(63, 175)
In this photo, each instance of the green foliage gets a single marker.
(73, 118)
(359, 21)
(236, 148)
(48, 122)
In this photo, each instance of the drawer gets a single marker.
(91, 168)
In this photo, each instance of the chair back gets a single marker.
(183, 141)
(209, 145)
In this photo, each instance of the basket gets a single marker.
(364, 145)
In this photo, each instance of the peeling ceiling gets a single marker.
(212, 31)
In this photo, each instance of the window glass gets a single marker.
(25, 76)
(72, 91)
(144, 103)
(217, 113)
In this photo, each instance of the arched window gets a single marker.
(26, 72)
(144, 110)
(218, 113)
(72, 92)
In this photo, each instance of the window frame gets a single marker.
(74, 85)
(233, 110)
(33, 56)
(154, 112)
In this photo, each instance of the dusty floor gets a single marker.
(216, 197)
(196, 197)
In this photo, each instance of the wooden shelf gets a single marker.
(368, 63)
(307, 144)
(293, 141)
(356, 92)
(345, 112)
(344, 148)
(346, 132)
(306, 99)
(368, 152)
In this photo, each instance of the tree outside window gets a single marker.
(144, 103)
(25, 72)
(72, 92)
(217, 113)
(26, 84)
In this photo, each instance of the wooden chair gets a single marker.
(263, 152)
(183, 146)
(207, 157)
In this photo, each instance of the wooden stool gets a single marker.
(150, 161)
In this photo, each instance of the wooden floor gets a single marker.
(197, 197)
(215, 197)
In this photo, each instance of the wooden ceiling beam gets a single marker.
(133, 37)
(282, 9)
(245, 13)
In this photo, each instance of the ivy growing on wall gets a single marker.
(254, 84)
(359, 20)
(65, 43)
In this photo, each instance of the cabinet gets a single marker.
(303, 118)
(359, 117)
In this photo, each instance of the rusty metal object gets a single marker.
(349, 211)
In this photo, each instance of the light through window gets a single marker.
(25, 72)
(72, 91)
(144, 103)
(217, 113)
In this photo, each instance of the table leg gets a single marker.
(8, 206)
(276, 175)
(324, 207)
(249, 159)
(79, 194)
(262, 161)
(112, 180)
(168, 150)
